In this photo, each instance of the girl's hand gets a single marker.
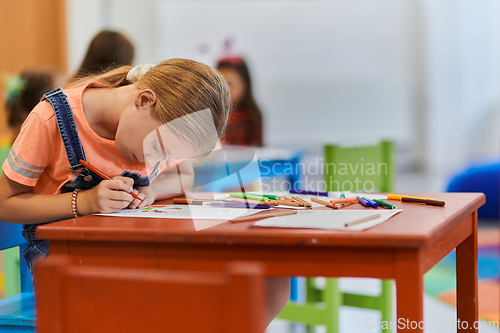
(107, 197)
(147, 195)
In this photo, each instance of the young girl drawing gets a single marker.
(109, 120)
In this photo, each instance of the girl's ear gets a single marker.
(145, 99)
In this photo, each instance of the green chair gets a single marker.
(11, 262)
(355, 169)
(17, 309)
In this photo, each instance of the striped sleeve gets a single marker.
(32, 151)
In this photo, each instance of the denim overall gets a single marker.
(86, 179)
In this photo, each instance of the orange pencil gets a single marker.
(105, 176)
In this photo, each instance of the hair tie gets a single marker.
(137, 72)
(14, 86)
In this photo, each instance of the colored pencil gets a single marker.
(269, 196)
(307, 204)
(262, 216)
(324, 203)
(185, 201)
(250, 201)
(360, 220)
(235, 205)
(290, 203)
(347, 204)
(105, 176)
(248, 196)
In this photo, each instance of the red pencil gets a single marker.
(105, 176)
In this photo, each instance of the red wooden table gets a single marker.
(402, 248)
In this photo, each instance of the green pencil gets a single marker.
(248, 196)
(269, 196)
(384, 204)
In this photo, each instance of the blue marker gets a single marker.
(371, 202)
(363, 201)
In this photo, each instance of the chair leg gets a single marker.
(313, 295)
(386, 303)
(333, 301)
(331, 298)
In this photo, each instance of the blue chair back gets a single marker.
(10, 236)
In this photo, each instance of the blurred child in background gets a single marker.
(244, 127)
(107, 50)
(24, 91)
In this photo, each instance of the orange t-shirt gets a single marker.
(38, 158)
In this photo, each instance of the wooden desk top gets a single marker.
(416, 226)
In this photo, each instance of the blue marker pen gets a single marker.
(371, 202)
(363, 202)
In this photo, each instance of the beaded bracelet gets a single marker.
(73, 202)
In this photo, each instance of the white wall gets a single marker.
(462, 81)
(425, 73)
(323, 70)
(136, 19)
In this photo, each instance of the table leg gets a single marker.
(467, 305)
(409, 293)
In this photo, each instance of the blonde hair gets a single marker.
(182, 87)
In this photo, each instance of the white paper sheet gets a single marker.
(328, 219)
(185, 212)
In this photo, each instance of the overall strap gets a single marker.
(67, 127)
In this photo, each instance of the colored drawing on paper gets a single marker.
(182, 212)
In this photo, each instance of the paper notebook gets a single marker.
(328, 219)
